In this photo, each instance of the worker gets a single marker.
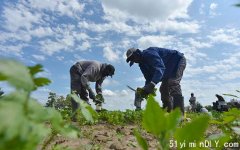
(192, 102)
(84, 72)
(160, 65)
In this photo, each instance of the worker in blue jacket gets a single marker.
(160, 65)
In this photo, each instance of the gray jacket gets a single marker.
(91, 71)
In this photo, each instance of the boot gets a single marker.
(168, 105)
(178, 101)
(138, 100)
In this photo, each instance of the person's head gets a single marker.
(133, 56)
(109, 70)
(192, 94)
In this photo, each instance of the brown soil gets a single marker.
(103, 137)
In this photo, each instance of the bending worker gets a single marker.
(84, 72)
(160, 65)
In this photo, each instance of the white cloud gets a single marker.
(50, 47)
(159, 10)
(85, 46)
(155, 41)
(61, 7)
(41, 32)
(19, 16)
(60, 58)
(117, 93)
(110, 82)
(198, 44)
(12, 50)
(110, 54)
(212, 11)
(201, 9)
(230, 75)
(39, 57)
(230, 36)
(213, 6)
(116, 26)
(108, 93)
(171, 25)
(140, 79)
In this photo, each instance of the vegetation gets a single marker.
(29, 125)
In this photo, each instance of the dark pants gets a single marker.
(170, 89)
(76, 87)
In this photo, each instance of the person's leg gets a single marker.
(137, 101)
(75, 88)
(84, 95)
(165, 97)
(175, 87)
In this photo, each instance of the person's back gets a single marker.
(170, 59)
(91, 69)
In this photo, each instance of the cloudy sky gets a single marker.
(57, 33)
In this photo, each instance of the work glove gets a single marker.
(91, 94)
(149, 88)
(99, 99)
(141, 92)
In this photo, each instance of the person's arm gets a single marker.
(98, 86)
(154, 60)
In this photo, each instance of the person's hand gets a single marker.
(91, 94)
(149, 88)
(99, 98)
(141, 92)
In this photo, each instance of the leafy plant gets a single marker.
(165, 127)
(119, 117)
(233, 95)
(26, 122)
(229, 124)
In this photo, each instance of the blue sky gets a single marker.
(58, 33)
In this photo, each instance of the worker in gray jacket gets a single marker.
(84, 72)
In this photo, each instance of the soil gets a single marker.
(103, 137)
(108, 137)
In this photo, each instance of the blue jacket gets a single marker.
(159, 63)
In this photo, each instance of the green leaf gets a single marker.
(141, 141)
(231, 95)
(193, 131)
(228, 119)
(154, 120)
(16, 74)
(84, 107)
(173, 119)
(35, 69)
(41, 82)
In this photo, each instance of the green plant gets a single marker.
(119, 117)
(165, 127)
(233, 95)
(26, 122)
(51, 99)
(228, 122)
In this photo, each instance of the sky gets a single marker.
(58, 33)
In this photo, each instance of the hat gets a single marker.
(129, 54)
(110, 70)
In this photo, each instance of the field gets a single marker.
(111, 133)
(28, 125)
